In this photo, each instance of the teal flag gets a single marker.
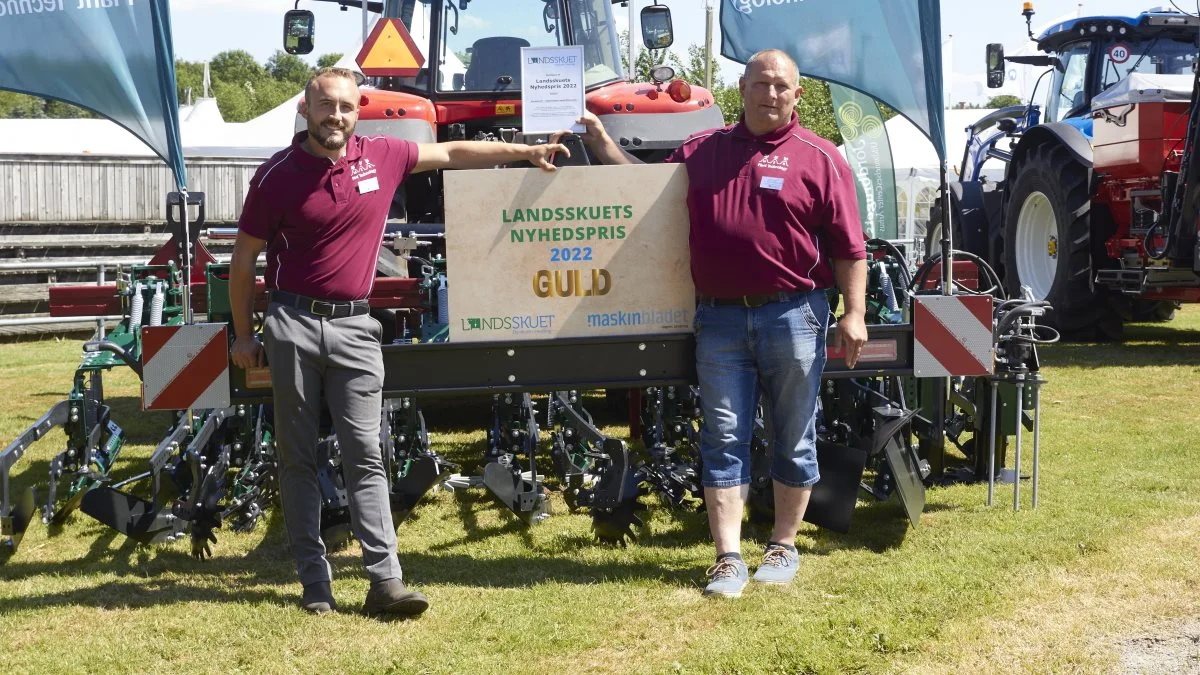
(890, 50)
(865, 140)
(113, 57)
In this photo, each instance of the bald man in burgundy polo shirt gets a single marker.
(774, 223)
(319, 207)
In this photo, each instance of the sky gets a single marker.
(203, 28)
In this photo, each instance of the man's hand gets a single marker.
(246, 352)
(598, 141)
(542, 156)
(593, 134)
(851, 335)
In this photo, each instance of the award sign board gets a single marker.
(551, 89)
(582, 251)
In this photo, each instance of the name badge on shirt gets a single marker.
(771, 183)
(369, 185)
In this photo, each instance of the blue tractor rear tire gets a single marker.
(1048, 244)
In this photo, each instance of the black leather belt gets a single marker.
(750, 300)
(331, 309)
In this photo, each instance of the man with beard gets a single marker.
(319, 207)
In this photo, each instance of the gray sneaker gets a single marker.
(778, 566)
(726, 579)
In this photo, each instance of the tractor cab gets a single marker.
(454, 73)
(1089, 55)
(478, 43)
(468, 83)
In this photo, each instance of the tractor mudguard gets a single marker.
(1067, 135)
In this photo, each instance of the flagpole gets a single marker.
(708, 37)
(632, 45)
(947, 237)
(366, 19)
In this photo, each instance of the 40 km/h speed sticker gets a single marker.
(1118, 53)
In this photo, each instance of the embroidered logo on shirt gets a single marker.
(779, 162)
(361, 169)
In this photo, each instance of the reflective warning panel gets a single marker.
(390, 51)
(185, 366)
(952, 335)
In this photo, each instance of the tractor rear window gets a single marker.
(1161, 56)
(482, 40)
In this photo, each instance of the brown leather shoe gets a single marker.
(318, 598)
(391, 597)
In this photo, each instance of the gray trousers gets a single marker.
(309, 355)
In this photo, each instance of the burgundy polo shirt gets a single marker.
(768, 212)
(323, 221)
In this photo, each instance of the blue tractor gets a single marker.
(1096, 212)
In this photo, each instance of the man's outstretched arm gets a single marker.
(484, 154)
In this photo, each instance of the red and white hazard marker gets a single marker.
(185, 366)
(952, 335)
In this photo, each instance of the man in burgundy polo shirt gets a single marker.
(774, 223)
(319, 207)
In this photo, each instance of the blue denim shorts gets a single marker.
(778, 349)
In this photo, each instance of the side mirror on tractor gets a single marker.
(657, 30)
(995, 65)
(299, 26)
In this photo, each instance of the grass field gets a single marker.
(1109, 557)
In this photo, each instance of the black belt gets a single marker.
(331, 309)
(750, 300)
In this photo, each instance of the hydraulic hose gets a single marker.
(980, 264)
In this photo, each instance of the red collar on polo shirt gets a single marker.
(308, 161)
(772, 137)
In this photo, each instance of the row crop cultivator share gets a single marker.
(1097, 211)
(957, 363)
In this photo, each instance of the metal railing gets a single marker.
(100, 266)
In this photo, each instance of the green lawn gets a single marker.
(1109, 554)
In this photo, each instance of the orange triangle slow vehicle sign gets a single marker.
(390, 51)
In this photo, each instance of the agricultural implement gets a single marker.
(957, 364)
(887, 419)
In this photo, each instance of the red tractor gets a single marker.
(469, 84)
(1097, 212)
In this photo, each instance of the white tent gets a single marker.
(918, 170)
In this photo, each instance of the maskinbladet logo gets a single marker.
(656, 318)
(748, 6)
